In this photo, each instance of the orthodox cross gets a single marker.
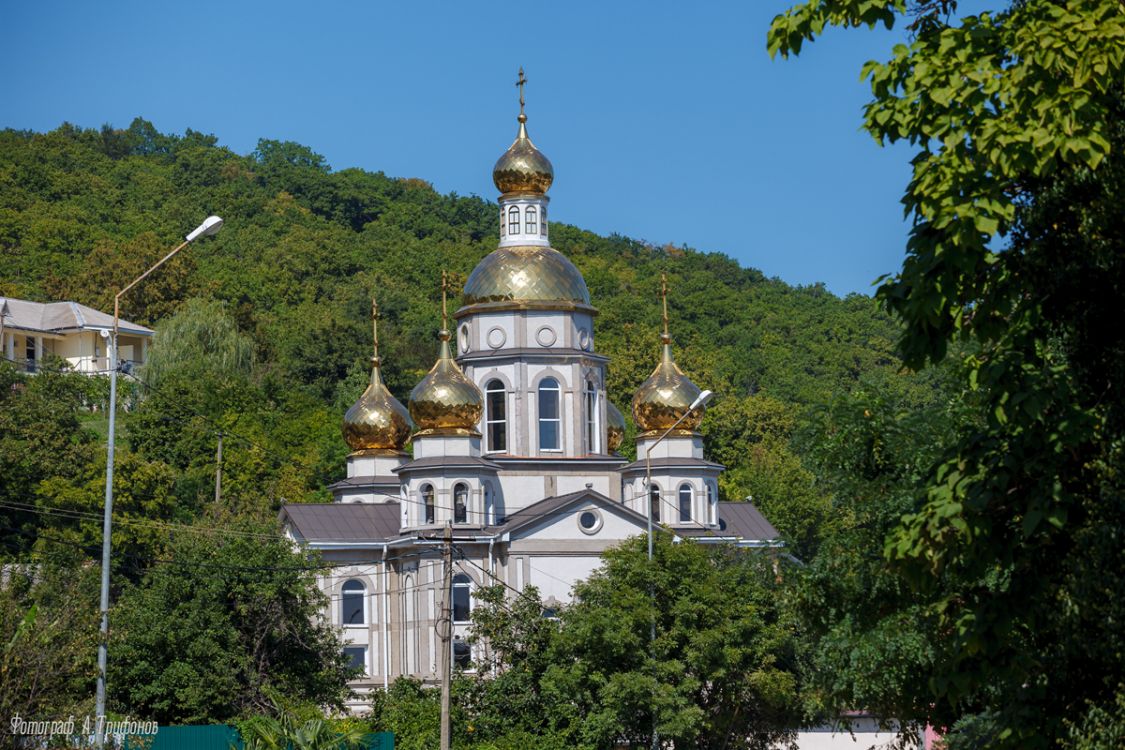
(521, 83)
(664, 300)
(444, 287)
(375, 328)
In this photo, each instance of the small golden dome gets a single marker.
(665, 397)
(523, 168)
(446, 402)
(527, 276)
(615, 426)
(377, 421)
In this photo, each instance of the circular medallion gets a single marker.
(496, 337)
(546, 336)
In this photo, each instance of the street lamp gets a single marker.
(701, 400)
(209, 226)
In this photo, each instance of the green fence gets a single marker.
(222, 737)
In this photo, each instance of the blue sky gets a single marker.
(665, 121)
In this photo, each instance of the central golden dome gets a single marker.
(445, 402)
(665, 397)
(526, 276)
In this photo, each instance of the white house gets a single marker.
(514, 443)
(30, 331)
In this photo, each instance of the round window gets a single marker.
(589, 521)
(546, 336)
(497, 338)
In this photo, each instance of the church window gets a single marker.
(460, 503)
(590, 521)
(654, 502)
(351, 603)
(502, 225)
(531, 220)
(462, 654)
(513, 220)
(496, 419)
(550, 421)
(428, 502)
(712, 509)
(357, 658)
(543, 223)
(591, 418)
(461, 601)
(685, 503)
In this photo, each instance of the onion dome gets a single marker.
(523, 168)
(614, 426)
(445, 402)
(377, 422)
(527, 276)
(665, 397)
(668, 394)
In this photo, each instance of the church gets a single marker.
(514, 447)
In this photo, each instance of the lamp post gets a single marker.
(701, 400)
(209, 226)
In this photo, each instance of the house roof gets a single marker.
(343, 522)
(60, 317)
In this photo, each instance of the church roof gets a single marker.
(672, 463)
(739, 519)
(343, 522)
(549, 506)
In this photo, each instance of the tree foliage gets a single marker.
(1016, 118)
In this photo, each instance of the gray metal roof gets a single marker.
(447, 462)
(343, 522)
(739, 519)
(57, 317)
(551, 505)
(673, 463)
(370, 481)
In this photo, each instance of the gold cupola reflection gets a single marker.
(523, 168)
(445, 402)
(377, 422)
(614, 426)
(668, 393)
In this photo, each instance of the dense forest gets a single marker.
(303, 250)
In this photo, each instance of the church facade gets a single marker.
(514, 448)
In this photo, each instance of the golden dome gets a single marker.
(446, 402)
(614, 427)
(523, 168)
(665, 397)
(526, 276)
(377, 421)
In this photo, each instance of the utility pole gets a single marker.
(219, 469)
(446, 631)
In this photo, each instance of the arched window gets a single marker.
(428, 502)
(513, 220)
(461, 601)
(712, 508)
(550, 421)
(502, 225)
(351, 603)
(531, 220)
(654, 501)
(496, 416)
(460, 503)
(591, 408)
(685, 503)
(543, 223)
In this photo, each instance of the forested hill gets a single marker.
(304, 247)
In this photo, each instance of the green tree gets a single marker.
(1016, 118)
(224, 623)
(722, 670)
(200, 338)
